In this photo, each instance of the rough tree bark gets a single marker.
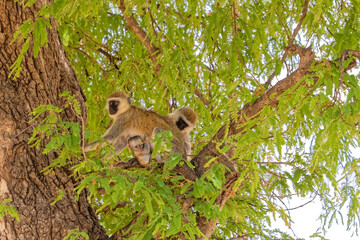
(41, 81)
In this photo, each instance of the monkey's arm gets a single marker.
(93, 146)
(97, 145)
(110, 135)
(119, 144)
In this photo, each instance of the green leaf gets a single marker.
(169, 165)
(278, 67)
(104, 183)
(84, 235)
(24, 30)
(58, 198)
(13, 212)
(217, 175)
(16, 65)
(40, 35)
(225, 149)
(199, 189)
(148, 204)
(297, 175)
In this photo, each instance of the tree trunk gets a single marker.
(41, 81)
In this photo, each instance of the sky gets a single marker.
(306, 219)
(306, 222)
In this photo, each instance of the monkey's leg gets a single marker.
(141, 148)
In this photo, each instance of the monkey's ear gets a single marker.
(129, 100)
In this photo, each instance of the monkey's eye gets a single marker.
(114, 103)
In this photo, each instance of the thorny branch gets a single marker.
(345, 55)
(89, 57)
(250, 112)
(110, 57)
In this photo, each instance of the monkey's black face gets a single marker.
(181, 124)
(113, 106)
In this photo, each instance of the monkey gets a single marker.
(141, 148)
(185, 119)
(129, 121)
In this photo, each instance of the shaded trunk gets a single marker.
(41, 81)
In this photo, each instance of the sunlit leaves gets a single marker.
(74, 234)
(65, 137)
(38, 29)
(8, 209)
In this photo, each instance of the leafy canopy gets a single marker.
(285, 114)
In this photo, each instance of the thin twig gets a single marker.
(109, 56)
(89, 57)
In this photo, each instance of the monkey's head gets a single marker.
(185, 119)
(117, 103)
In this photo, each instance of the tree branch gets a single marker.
(247, 112)
(250, 112)
(208, 227)
(296, 31)
(140, 33)
(110, 57)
